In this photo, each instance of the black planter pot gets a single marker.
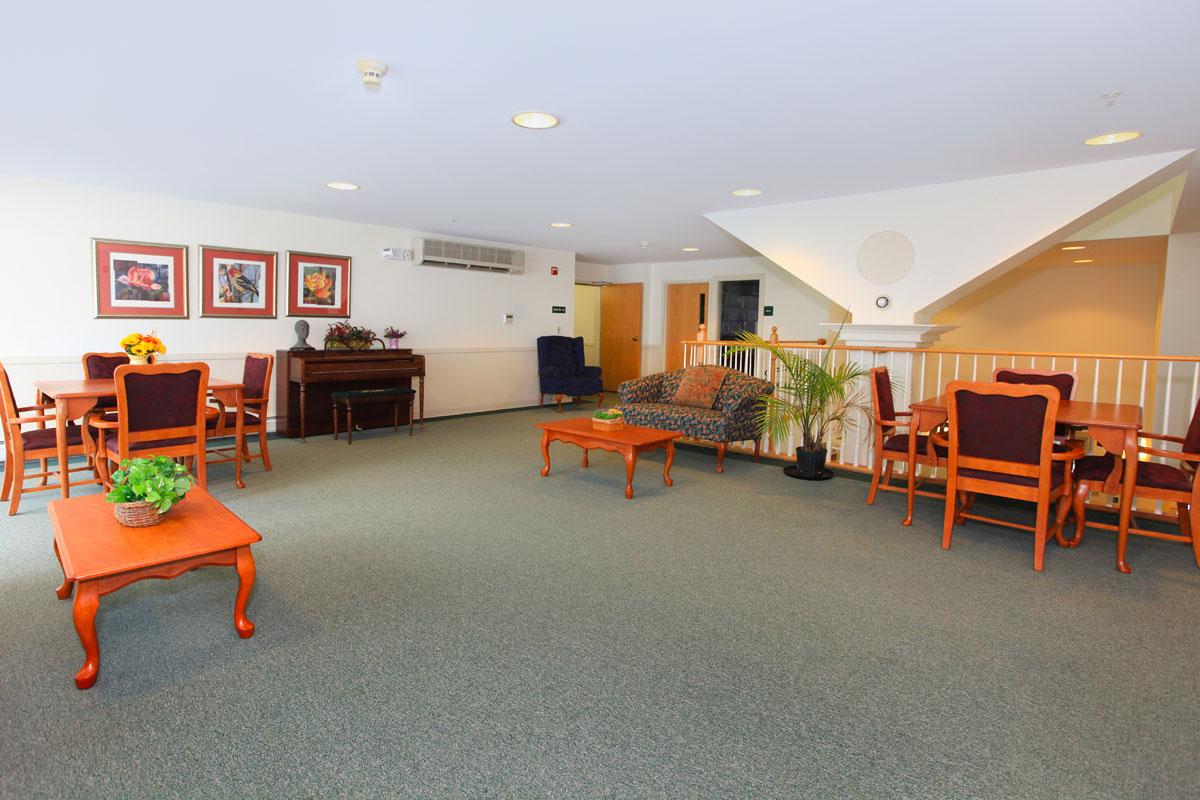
(810, 465)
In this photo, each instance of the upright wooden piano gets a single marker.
(305, 379)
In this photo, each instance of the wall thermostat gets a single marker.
(883, 301)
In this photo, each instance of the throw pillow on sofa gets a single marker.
(700, 386)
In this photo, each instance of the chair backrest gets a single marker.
(1002, 427)
(256, 377)
(160, 401)
(881, 395)
(1191, 439)
(561, 351)
(8, 402)
(100, 366)
(1066, 382)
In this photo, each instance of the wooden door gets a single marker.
(620, 333)
(687, 307)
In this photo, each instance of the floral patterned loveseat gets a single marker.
(647, 402)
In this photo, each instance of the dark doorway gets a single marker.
(739, 312)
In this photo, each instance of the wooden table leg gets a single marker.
(239, 439)
(667, 466)
(410, 415)
(911, 485)
(349, 422)
(1128, 483)
(630, 463)
(245, 571)
(87, 602)
(585, 457)
(335, 420)
(546, 452)
(421, 388)
(395, 416)
(60, 440)
(64, 590)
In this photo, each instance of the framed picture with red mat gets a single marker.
(139, 279)
(235, 282)
(318, 285)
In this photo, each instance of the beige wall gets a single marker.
(587, 322)
(1079, 308)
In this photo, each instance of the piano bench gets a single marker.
(349, 397)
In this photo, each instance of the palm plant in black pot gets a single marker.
(818, 396)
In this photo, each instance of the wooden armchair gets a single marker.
(1154, 481)
(160, 412)
(256, 397)
(39, 445)
(892, 446)
(1001, 443)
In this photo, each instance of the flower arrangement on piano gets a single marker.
(393, 336)
(141, 346)
(344, 336)
(145, 488)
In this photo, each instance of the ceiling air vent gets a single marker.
(460, 255)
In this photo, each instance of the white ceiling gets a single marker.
(665, 106)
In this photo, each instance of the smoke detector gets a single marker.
(372, 73)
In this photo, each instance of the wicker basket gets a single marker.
(607, 424)
(139, 514)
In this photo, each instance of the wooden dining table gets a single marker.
(73, 399)
(1114, 425)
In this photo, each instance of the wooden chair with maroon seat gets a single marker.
(1155, 481)
(892, 446)
(1066, 382)
(1001, 443)
(39, 445)
(256, 396)
(160, 412)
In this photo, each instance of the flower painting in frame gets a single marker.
(235, 282)
(318, 285)
(140, 279)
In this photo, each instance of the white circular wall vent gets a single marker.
(885, 257)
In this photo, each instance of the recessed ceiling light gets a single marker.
(1113, 138)
(1074, 247)
(690, 249)
(561, 224)
(342, 186)
(746, 192)
(1084, 260)
(535, 120)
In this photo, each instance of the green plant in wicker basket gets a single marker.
(157, 480)
(608, 413)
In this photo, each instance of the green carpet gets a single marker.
(436, 620)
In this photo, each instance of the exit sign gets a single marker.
(558, 309)
(768, 311)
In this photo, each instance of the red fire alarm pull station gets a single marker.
(553, 270)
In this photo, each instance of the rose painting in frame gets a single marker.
(140, 279)
(318, 285)
(235, 282)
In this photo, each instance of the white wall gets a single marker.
(799, 309)
(964, 234)
(47, 314)
(1179, 334)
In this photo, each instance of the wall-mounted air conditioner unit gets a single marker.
(460, 255)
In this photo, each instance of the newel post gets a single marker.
(775, 341)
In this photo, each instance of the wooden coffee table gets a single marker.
(99, 556)
(628, 441)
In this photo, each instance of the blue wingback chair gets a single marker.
(561, 371)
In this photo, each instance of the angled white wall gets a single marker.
(963, 234)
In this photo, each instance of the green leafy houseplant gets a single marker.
(158, 481)
(610, 413)
(816, 395)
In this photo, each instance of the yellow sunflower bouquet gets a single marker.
(141, 346)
